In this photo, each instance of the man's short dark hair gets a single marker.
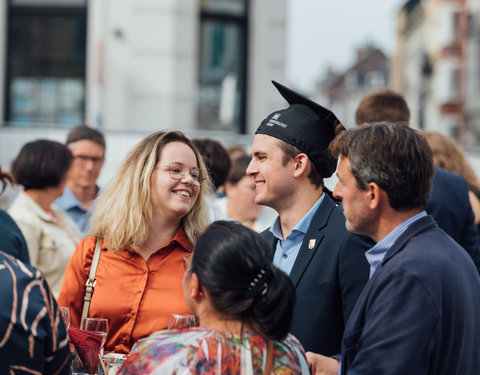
(41, 164)
(289, 152)
(396, 158)
(383, 105)
(216, 159)
(82, 131)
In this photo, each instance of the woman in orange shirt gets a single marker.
(147, 218)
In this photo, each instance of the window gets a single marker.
(223, 64)
(45, 80)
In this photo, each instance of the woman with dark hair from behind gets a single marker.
(244, 305)
(11, 238)
(41, 167)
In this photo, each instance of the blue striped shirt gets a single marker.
(376, 254)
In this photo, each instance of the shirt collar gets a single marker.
(69, 200)
(377, 253)
(182, 239)
(34, 207)
(302, 225)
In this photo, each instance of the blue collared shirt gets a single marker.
(376, 254)
(72, 206)
(287, 250)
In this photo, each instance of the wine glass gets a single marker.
(65, 313)
(181, 321)
(97, 325)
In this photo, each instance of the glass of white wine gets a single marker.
(97, 325)
(178, 321)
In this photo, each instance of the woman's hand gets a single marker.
(321, 365)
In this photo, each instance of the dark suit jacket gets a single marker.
(450, 207)
(11, 238)
(420, 312)
(328, 279)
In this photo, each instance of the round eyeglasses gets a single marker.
(178, 171)
(83, 159)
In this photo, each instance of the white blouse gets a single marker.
(51, 237)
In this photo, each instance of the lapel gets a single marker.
(271, 240)
(421, 225)
(312, 239)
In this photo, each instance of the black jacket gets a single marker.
(328, 279)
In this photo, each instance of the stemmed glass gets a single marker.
(97, 325)
(182, 321)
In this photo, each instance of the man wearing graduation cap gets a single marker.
(326, 263)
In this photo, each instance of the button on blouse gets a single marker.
(136, 296)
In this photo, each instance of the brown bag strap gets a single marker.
(269, 364)
(90, 284)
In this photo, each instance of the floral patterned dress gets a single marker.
(202, 351)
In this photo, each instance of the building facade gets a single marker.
(131, 67)
(140, 64)
(342, 91)
(435, 66)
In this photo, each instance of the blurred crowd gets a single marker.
(283, 276)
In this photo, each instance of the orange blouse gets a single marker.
(136, 296)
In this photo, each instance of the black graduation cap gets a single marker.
(306, 125)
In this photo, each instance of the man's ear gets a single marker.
(374, 195)
(301, 163)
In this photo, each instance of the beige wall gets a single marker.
(266, 59)
(142, 58)
(142, 64)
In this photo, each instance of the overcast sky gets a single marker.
(327, 32)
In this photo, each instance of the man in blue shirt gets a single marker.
(448, 202)
(419, 312)
(309, 240)
(88, 149)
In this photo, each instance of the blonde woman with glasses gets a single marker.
(147, 219)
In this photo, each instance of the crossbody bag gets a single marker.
(91, 281)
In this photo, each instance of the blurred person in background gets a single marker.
(147, 219)
(244, 305)
(41, 168)
(447, 154)
(216, 160)
(33, 338)
(234, 152)
(11, 238)
(448, 202)
(239, 202)
(88, 149)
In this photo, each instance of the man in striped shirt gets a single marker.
(419, 312)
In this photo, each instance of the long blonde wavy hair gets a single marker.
(447, 154)
(122, 213)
